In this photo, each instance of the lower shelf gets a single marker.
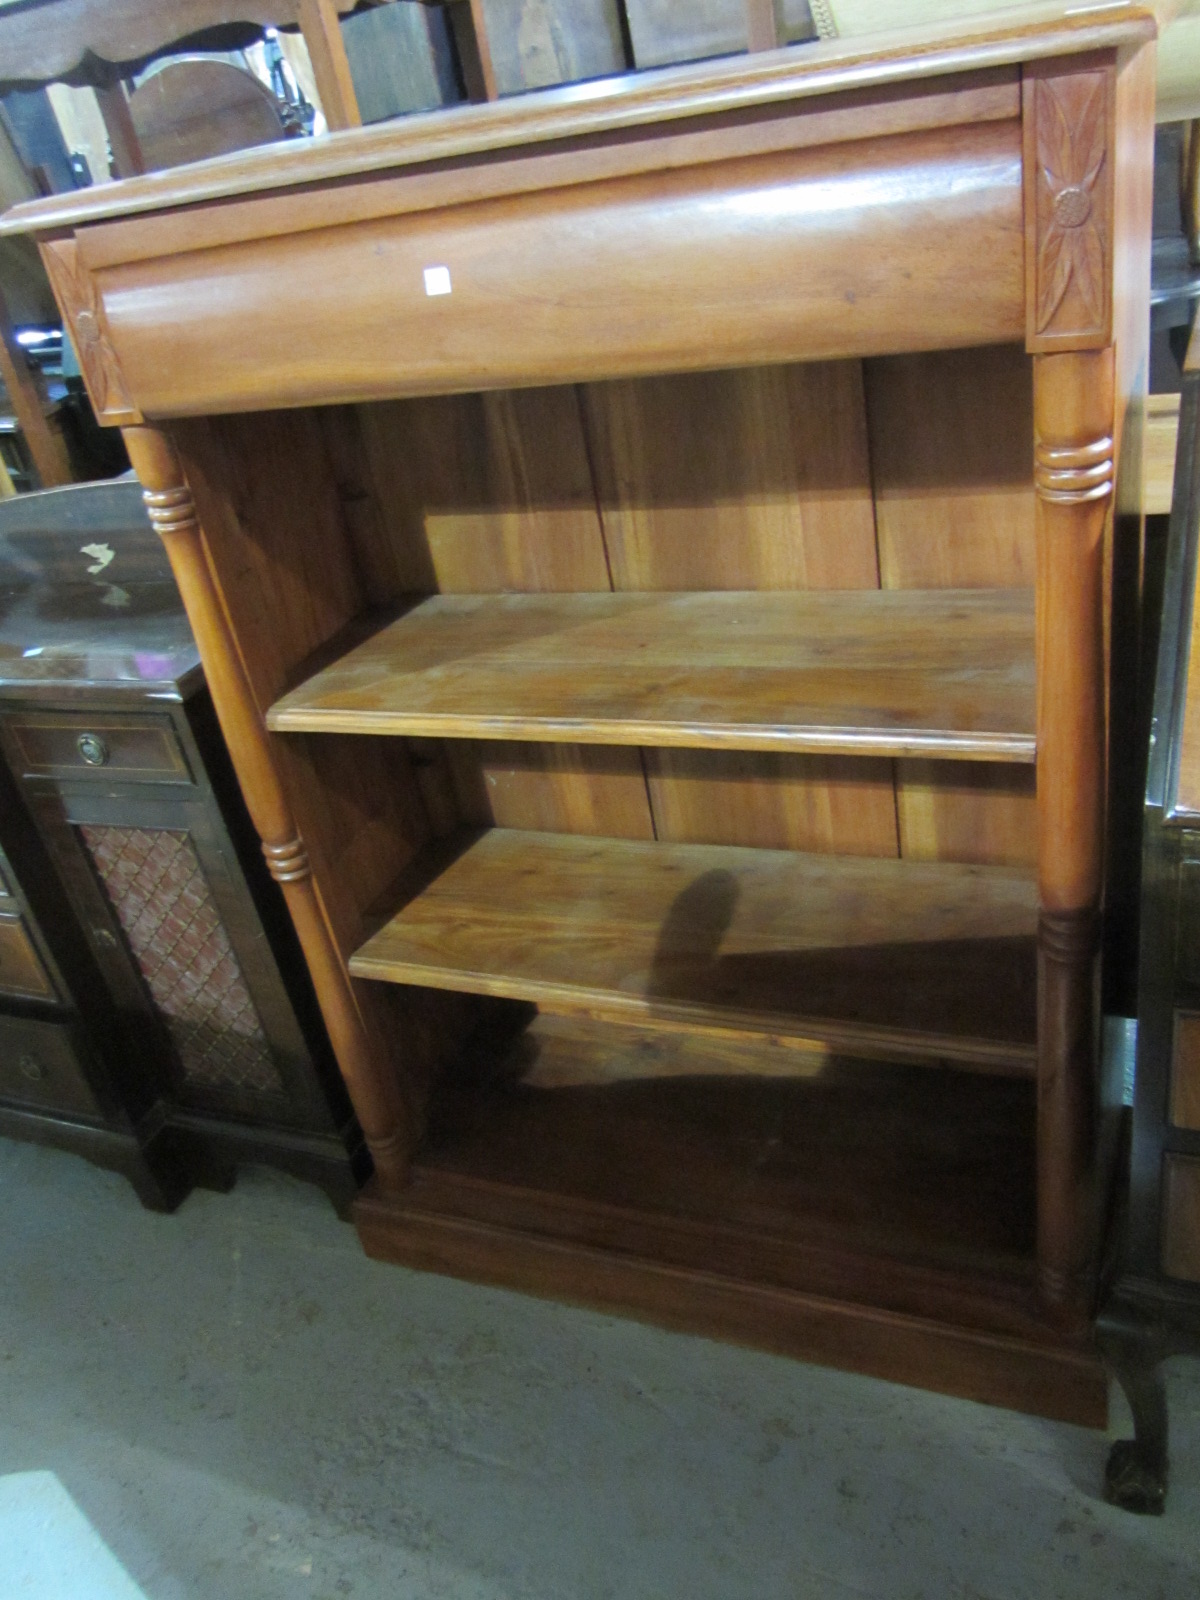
(872, 1217)
(928, 960)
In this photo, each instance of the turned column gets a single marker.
(371, 1081)
(1073, 476)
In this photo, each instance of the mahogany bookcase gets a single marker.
(650, 549)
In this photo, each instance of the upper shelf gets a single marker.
(868, 672)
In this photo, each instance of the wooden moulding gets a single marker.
(868, 673)
(373, 1085)
(1067, 1383)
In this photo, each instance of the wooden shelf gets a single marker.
(870, 672)
(846, 1156)
(833, 1215)
(896, 958)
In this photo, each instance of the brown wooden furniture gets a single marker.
(96, 42)
(570, 396)
(179, 1035)
(194, 108)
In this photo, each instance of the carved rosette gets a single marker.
(79, 300)
(1068, 221)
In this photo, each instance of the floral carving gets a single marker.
(1072, 127)
(75, 290)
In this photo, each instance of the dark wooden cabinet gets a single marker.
(1153, 1305)
(204, 1020)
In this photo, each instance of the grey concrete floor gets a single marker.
(246, 1408)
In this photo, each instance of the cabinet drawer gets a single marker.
(1185, 1070)
(40, 1066)
(1181, 1218)
(21, 969)
(105, 747)
(769, 254)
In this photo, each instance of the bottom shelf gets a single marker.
(863, 1215)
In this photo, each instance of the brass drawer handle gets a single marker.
(92, 748)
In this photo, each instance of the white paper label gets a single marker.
(437, 280)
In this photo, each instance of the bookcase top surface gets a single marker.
(590, 110)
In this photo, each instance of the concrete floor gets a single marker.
(245, 1408)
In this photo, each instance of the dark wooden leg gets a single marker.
(1136, 1475)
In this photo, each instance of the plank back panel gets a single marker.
(486, 493)
(952, 467)
(754, 479)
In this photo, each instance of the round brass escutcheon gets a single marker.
(92, 748)
(32, 1069)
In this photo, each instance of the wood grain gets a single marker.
(1074, 411)
(488, 493)
(536, 43)
(838, 119)
(754, 479)
(1066, 1381)
(904, 958)
(910, 55)
(841, 672)
(188, 110)
(1074, 474)
(335, 84)
(842, 804)
(482, 494)
(749, 1148)
(77, 293)
(1069, 121)
(955, 811)
(558, 788)
(952, 467)
(662, 32)
(568, 284)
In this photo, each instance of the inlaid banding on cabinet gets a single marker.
(1076, 475)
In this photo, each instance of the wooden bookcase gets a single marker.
(668, 670)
